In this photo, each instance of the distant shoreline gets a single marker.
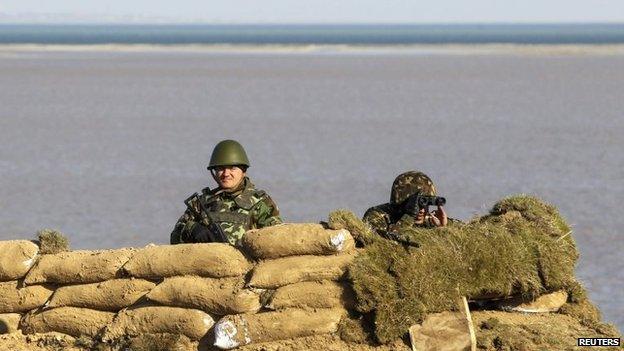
(332, 49)
(304, 35)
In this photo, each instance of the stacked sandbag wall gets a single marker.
(16, 259)
(283, 282)
(298, 273)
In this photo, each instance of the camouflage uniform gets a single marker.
(235, 212)
(387, 218)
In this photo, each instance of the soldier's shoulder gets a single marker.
(379, 210)
(251, 196)
(263, 201)
(207, 194)
(256, 194)
(261, 196)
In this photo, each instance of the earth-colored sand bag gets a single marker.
(112, 295)
(159, 319)
(296, 239)
(161, 342)
(237, 330)
(325, 294)
(272, 274)
(9, 322)
(551, 302)
(72, 321)
(445, 331)
(78, 267)
(216, 260)
(16, 299)
(16, 258)
(217, 296)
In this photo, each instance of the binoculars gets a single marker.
(425, 200)
(417, 201)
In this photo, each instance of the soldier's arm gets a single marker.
(183, 228)
(266, 213)
(408, 220)
(378, 220)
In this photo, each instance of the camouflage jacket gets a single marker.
(235, 212)
(387, 218)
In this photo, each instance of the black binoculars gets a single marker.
(426, 200)
(417, 201)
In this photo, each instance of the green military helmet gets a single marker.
(409, 183)
(228, 153)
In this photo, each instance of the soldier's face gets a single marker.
(228, 177)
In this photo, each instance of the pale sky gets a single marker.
(317, 11)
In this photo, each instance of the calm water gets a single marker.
(106, 146)
(314, 34)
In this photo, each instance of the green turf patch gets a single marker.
(522, 247)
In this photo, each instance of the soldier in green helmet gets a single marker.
(385, 218)
(227, 212)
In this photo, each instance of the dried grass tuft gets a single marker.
(52, 241)
(355, 330)
(345, 219)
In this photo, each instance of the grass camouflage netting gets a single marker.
(522, 247)
(345, 219)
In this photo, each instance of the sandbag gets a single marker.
(9, 322)
(217, 296)
(325, 294)
(78, 267)
(445, 331)
(296, 239)
(22, 299)
(272, 274)
(16, 258)
(216, 260)
(136, 321)
(550, 302)
(238, 330)
(112, 295)
(72, 321)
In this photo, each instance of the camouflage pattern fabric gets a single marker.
(235, 212)
(387, 218)
(410, 183)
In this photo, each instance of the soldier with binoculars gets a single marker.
(412, 194)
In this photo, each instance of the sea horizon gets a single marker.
(312, 34)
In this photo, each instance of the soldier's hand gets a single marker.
(410, 206)
(439, 217)
(200, 233)
(419, 218)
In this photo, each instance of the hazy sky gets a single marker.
(322, 11)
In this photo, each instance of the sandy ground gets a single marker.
(495, 331)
